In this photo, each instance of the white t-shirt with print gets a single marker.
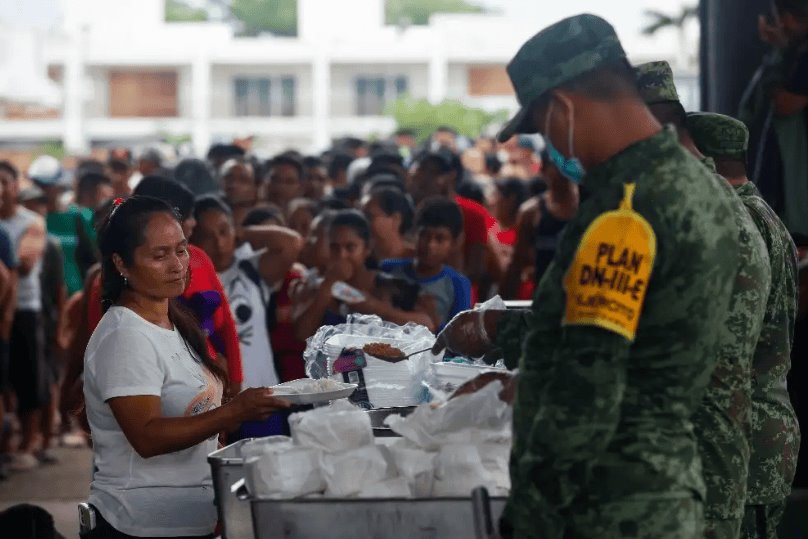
(166, 495)
(248, 303)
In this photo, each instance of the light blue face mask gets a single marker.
(570, 167)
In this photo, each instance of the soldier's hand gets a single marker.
(469, 333)
(507, 378)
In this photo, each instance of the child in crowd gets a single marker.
(302, 212)
(241, 186)
(248, 293)
(439, 225)
(389, 212)
(349, 248)
(286, 348)
(315, 178)
(283, 180)
(266, 214)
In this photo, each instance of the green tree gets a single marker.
(179, 11)
(418, 11)
(54, 148)
(660, 20)
(276, 16)
(423, 117)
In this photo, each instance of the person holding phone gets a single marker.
(152, 391)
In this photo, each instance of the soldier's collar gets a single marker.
(747, 188)
(634, 160)
(709, 162)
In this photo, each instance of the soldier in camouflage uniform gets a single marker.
(722, 421)
(775, 436)
(620, 343)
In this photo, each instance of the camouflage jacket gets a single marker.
(775, 438)
(599, 417)
(722, 422)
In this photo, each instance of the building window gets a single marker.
(264, 96)
(372, 93)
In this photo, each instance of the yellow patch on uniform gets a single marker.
(608, 278)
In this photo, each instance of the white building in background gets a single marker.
(125, 76)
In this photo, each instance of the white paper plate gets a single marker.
(285, 391)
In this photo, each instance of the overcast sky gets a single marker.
(626, 15)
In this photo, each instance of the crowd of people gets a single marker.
(417, 231)
(152, 303)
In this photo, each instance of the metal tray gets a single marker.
(427, 518)
(378, 415)
(227, 467)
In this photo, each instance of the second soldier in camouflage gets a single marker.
(722, 421)
(775, 432)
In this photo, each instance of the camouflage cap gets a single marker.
(555, 55)
(717, 135)
(655, 83)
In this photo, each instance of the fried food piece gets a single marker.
(382, 351)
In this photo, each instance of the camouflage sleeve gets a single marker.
(572, 378)
(511, 332)
(561, 428)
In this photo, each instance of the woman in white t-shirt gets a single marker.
(153, 394)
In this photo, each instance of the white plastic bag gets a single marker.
(269, 444)
(459, 470)
(415, 466)
(334, 428)
(496, 459)
(472, 419)
(284, 474)
(347, 473)
(327, 343)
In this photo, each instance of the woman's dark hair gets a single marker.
(262, 214)
(100, 215)
(171, 191)
(393, 201)
(440, 212)
(515, 188)
(352, 219)
(121, 233)
(207, 203)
